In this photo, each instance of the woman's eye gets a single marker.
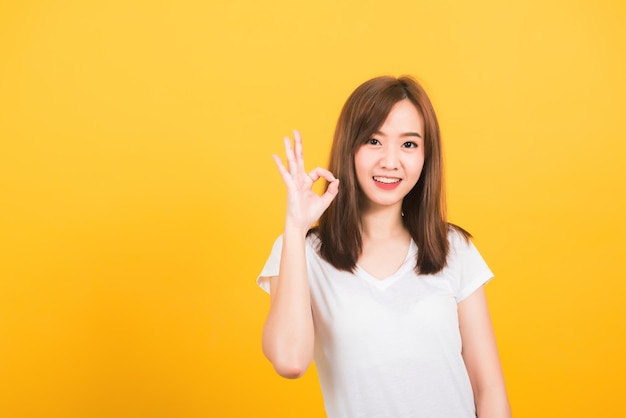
(373, 141)
(409, 144)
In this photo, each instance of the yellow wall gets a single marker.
(139, 198)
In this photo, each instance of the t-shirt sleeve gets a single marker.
(472, 270)
(272, 265)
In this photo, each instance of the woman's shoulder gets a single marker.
(458, 236)
(461, 247)
(312, 241)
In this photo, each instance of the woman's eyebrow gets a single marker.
(411, 134)
(416, 134)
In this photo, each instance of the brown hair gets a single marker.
(424, 207)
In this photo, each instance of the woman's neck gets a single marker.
(382, 223)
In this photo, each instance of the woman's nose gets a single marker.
(390, 158)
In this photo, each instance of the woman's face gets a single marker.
(390, 163)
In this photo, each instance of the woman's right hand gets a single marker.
(304, 206)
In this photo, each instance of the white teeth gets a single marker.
(386, 180)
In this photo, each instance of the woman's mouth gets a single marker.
(387, 183)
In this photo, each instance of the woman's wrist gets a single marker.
(295, 230)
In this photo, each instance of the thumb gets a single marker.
(331, 192)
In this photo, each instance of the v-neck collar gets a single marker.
(384, 283)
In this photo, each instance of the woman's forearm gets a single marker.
(492, 402)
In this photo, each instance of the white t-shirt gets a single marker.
(391, 347)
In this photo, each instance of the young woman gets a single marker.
(383, 292)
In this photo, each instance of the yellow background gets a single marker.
(139, 198)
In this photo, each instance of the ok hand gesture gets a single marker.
(304, 206)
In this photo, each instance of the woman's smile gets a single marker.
(387, 183)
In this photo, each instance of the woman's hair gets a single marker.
(424, 207)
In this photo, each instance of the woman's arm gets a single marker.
(481, 357)
(288, 331)
(288, 334)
